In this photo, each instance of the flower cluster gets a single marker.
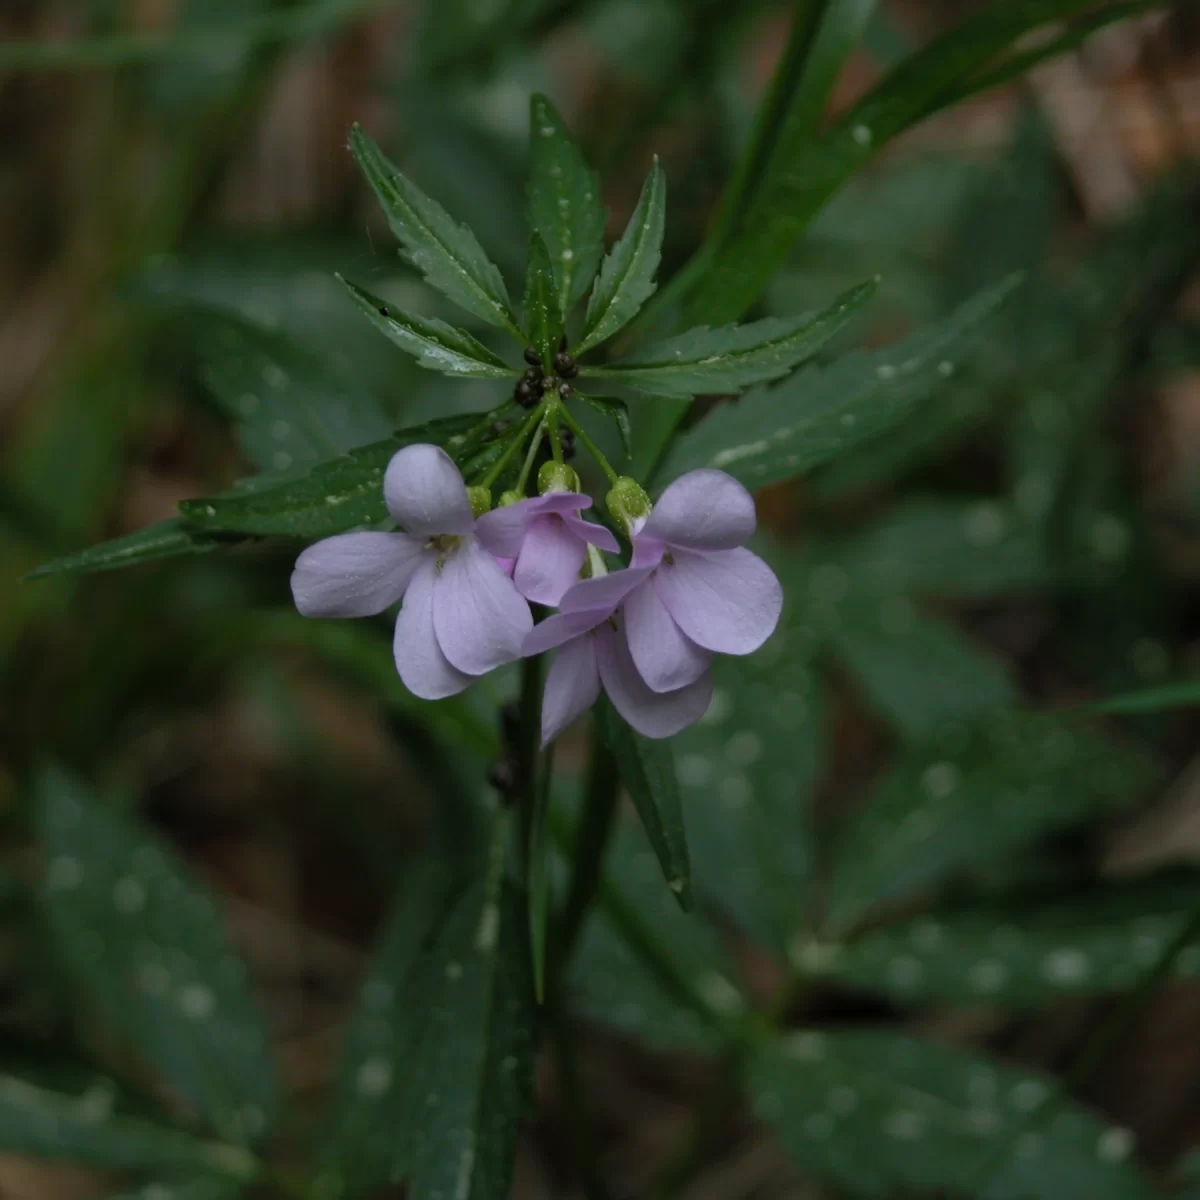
(646, 633)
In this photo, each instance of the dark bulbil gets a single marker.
(502, 775)
(567, 441)
(565, 366)
(527, 394)
(532, 357)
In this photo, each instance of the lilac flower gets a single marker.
(462, 616)
(648, 633)
(546, 541)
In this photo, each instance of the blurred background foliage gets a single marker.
(904, 820)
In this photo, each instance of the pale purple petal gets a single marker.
(551, 557)
(647, 552)
(728, 601)
(665, 658)
(572, 685)
(478, 613)
(423, 667)
(560, 629)
(354, 574)
(652, 714)
(425, 492)
(503, 529)
(605, 592)
(593, 534)
(703, 510)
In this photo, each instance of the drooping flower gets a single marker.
(546, 540)
(648, 633)
(462, 615)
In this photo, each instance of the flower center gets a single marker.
(445, 544)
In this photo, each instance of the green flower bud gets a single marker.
(512, 496)
(558, 477)
(480, 499)
(628, 504)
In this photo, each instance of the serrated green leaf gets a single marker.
(147, 947)
(918, 672)
(881, 1113)
(543, 315)
(291, 408)
(626, 279)
(90, 1123)
(564, 204)
(433, 343)
(1026, 953)
(618, 411)
(446, 253)
(972, 793)
(778, 433)
(644, 967)
(746, 771)
(648, 771)
(707, 361)
(166, 539)
(333, 496)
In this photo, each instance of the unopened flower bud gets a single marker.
(480, 499)
(512, 496)
(558, 477)
(628, 505)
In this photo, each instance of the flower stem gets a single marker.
(555, 436)
(527, 466)
(531, 423)
(588, 444)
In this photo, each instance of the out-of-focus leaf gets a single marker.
(290, 409)
(458, 30)
(644, 967)
(972, 793)
(446, 253)
(166, 539)
(746, 772)
(564, 204)
(333, 496)
(543, 316)
(90, 1123)
(706, 361)
(433, 343)
(1160, 699)
(626, 279)
(648, 771)
(778, 433)
(881, 1114)
(147, 948)
(618, 411)
(186, 1189)
(1026, 953)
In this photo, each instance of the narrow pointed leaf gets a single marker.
(1027, 952)
(626, 279)
(975, 792)
(617, 411)
(90, 1122)
(648, 771)
(882, 1114)
(543, 314)
(166, 539)
(707, 361)
(147, 947)
(564, 204)
(334, 496)
(433, 343)
(445, 252)
(1170, 696)
(778, 433)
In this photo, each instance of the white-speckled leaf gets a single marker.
(164, 539)
(148, 949)
(543, 314)
(707, 361)
(564, 204)
(90, 1121)
(626, 278)
(882, 1115)
(972, 793)
(433, 343)
(445, 252)
(1025, 954)
(778, 433)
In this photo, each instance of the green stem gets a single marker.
(588, 444)
(574, 1096)
(539, 877)
(555, 435)
(527, 465)
(591, 841)
(531, 423)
